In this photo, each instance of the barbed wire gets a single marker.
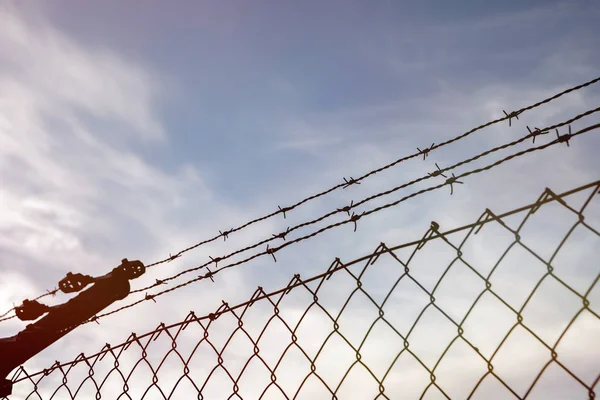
(353, 219)
(348, 182)
(347, 209)
(238, 312)
(439, 172)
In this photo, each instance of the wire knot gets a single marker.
(351, 181)
(510, 116)
(333, 267)
(433, 228)
(426, 151)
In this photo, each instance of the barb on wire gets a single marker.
(283, 210)
(437, 172)
(208, 275)
(281, 235)
(564, 138)
(351, 181)
(510, 116)
(149, 297)
(347, 209)
(354, 218)
(215, 260)
(225, 234)
(424, 152)
(271, 251)
(536, 132)
(451, 181)
(402, 341)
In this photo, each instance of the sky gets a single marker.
(133, 132)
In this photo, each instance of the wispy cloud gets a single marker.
(75, 190)
(64, 76)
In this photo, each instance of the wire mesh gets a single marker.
(505, 307)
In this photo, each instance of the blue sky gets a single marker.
(235, 75)
(130, 131)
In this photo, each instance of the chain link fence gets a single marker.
(505, 307)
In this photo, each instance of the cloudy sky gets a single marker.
(135, 131)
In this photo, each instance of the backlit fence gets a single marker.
(505, 307)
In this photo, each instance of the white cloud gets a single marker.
(74, 195)
(61, 73)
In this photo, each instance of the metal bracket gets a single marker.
(30, 310)
(74, 282)
(63, 318)
(130, 269)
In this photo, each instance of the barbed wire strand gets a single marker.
(346, 183)
(353, 205)
(271, 251)
(283, 210)
(354, 218)
(432, 234)
(347, 209)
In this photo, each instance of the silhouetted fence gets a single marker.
(505, 307)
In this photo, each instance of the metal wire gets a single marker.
(347, 182)
(353, 205)
(564, 138)
(353, 219)
(79, 377)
